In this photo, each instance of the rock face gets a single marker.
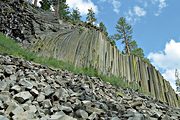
(90, 48)
(23, 22)
(79, 45)
(61, 95)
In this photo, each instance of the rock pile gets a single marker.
(30, 91)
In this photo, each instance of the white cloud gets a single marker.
(161, 5)
(116, 6)
(158, 5)
(169, 75)
(139, 11)
(131, 18)
(135, 14)
(115, 3)
(167, 60)
(82, 5)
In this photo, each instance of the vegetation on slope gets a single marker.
(10, 47)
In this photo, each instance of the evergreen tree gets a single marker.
(75, 15)
(63, 9)
(103, 28)
(55, 6)
(45, 4)
(111, 40)
(124, 33)
(135, 50)
(91, 16)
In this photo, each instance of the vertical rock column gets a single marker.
(144, 79)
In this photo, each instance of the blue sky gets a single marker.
(156, 27)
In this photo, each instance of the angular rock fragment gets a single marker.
(57, 115)
(66, 109)
(24, 116)
(136, 103)
(95, 110)
(16, 88)
(9, 69)
(22, 96)
(3, 117)
(32, 109)
(11, 106)
(48, 90)
(5, 96)
(92, 116)
(34, 92)
(25, 83)
(18, 110)
(82, 114)
(47, 103)
(115, 118)
(41, 97)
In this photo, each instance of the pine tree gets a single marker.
(103, 28)
(135, 50)
(55, 6)
(63, 9)
(75, 15)
(124, 33)
(91, 16)
(45, 4)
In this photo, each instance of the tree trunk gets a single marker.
(127, 49)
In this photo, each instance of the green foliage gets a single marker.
(90, 16)
(81, 29)
(45, 4)
(124, 34)
(63, 9)
(111, 39)
(135, 50)
(138, 52)
(103, 28)
(133, 45)
(75, 15)
(146, 60)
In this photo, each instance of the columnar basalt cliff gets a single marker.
(90, 48)
(81, 45)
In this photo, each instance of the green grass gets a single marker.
(10, 47)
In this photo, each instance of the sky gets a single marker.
(156, 27)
